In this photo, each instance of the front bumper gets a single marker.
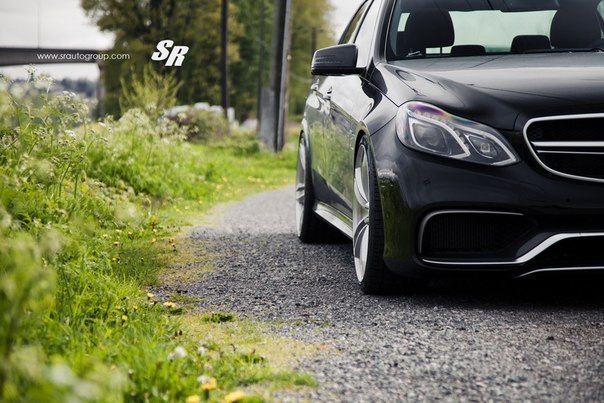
(443, 216)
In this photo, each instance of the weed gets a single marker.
(218, 317)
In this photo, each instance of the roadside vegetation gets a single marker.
(87, 215)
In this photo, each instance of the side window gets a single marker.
(364, 38)
(353, 25)
(601, 9)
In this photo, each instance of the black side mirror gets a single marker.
(336, 60)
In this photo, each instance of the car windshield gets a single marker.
(450, 28)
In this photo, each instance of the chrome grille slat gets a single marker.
(571, 146)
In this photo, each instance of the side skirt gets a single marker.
(335, 218)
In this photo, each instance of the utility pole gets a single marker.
(274, 105)
(261, 60)
(224, 43)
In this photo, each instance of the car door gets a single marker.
(349, 103)
(319, 115)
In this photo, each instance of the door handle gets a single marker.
(328, 94)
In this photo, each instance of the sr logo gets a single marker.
(174, 57)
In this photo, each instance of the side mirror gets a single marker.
(336, 60)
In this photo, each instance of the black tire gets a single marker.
(376, 278)
(310, 228)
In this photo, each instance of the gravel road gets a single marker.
(529, 341)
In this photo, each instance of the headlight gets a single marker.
(426, 128)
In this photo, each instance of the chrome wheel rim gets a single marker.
(300, 186)
(360, 213)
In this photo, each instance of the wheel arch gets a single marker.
(304, 132)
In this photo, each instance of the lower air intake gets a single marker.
(472, 235)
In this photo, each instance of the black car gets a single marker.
(454, 137)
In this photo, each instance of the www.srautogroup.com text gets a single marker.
(82, 57)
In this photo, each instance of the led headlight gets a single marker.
(426, 128)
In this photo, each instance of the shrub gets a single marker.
(203, 126)
(153, 93)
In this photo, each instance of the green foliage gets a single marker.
(83, 210)
(203, 126)
(218, 317)
(139, 26)
(152, 93)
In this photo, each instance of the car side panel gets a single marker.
(347, 102)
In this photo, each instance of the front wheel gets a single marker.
(368, 229)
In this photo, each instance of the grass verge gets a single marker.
(87, 212)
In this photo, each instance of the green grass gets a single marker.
(87, 212)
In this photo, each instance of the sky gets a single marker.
(63, 24)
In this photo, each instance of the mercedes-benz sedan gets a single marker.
(448, 137)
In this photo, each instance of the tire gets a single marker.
(368, 228)
(309, 227)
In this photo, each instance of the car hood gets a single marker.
(505, 91)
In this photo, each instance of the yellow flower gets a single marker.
(116, 244)
(211, 384)
(234, 397)
(193, 399)
(150, 296)
(169, 304)
(153, 240)
(124, 318)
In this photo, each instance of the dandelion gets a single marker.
(124, 318)
(179, 352)
(150, 296)
(153, 240)
(193, 399)
(170, 305)
(116, 244)
(234, 397)
(207, 386)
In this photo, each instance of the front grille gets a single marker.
(571, 147)
(470, 235)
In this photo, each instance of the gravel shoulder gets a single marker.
(532, 341)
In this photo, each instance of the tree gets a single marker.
(139, 25)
